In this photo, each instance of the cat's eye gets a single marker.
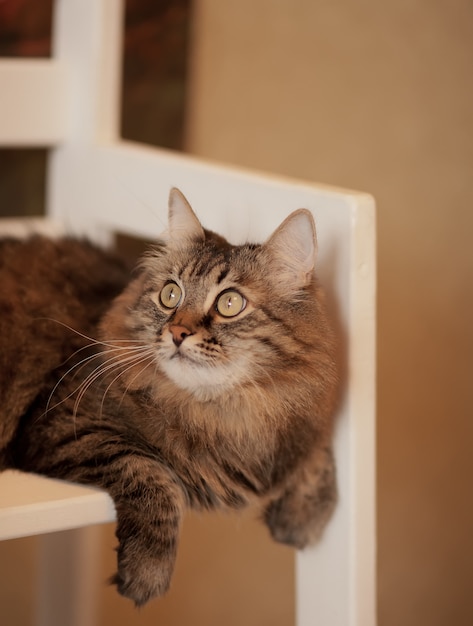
(170, 295)
(230, 303)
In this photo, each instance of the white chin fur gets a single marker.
(203, 381)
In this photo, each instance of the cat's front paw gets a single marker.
(143, 574)
(300, 515)
(141, 582)
(285, 527)
(292, 528)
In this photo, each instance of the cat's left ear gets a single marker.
(293, 246)
(183, 222)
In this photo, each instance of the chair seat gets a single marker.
(32, 504)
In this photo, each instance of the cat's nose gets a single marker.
(179, 333)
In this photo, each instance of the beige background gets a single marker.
(376, 96)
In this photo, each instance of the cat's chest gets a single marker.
(219, 454)
(214, 475)
(214, 468)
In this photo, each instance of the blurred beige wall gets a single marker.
(377, 96)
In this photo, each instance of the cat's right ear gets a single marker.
(293, 247)
(183, 222)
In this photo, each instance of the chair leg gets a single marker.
(68, 578)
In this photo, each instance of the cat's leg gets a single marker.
(149, 505)
(148, 498)
(300, 514)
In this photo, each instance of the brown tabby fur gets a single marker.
(168, 409)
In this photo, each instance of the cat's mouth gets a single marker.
(205, 376)
(181, 355)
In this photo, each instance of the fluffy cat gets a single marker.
(206, 380)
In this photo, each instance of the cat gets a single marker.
(205, 378)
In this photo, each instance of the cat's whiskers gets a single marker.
(111, 343)
(102, 369)
(96, 342)
(78, 367)
(149, 355)
(152, 360)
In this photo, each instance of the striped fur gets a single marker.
(169, 408)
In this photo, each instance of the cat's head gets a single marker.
(216, 316)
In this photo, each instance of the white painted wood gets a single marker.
(87, 39)
(21, 228)
(344, 564)
(33, 102)
(31, 505)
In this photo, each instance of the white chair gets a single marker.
(70, 103)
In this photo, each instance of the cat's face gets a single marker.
(218, 316)
(208, 313)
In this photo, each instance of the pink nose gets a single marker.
(179, 333)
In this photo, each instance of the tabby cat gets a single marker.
(205, 380)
